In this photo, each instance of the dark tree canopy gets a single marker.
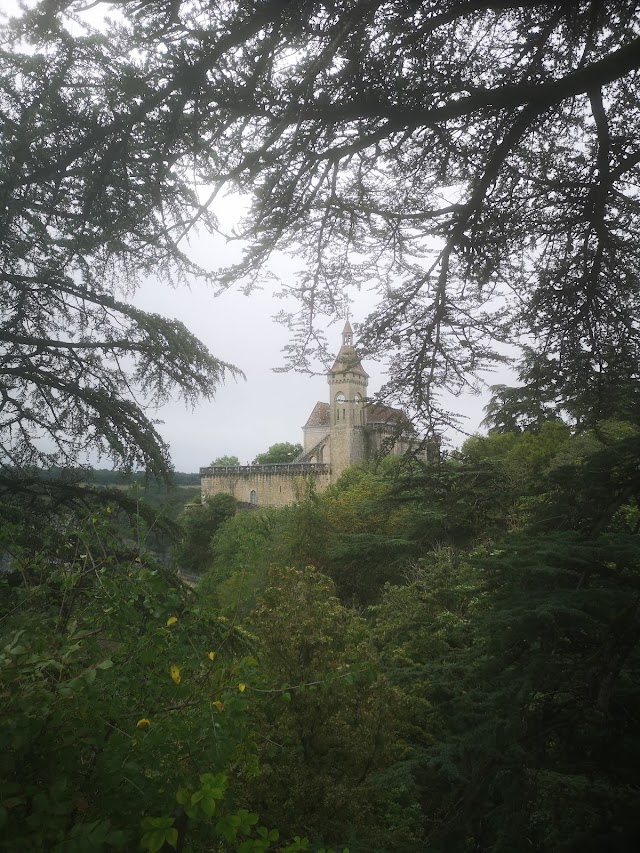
(89, 206)
(476, 163)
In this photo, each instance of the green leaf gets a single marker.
(183, 796)
(172, 837)
(153, 841)
(157, 822)
(208, 806)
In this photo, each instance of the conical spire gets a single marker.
(348, 358)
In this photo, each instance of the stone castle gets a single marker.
(347, 429)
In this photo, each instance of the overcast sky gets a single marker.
(247, 416)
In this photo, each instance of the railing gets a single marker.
(274, 468)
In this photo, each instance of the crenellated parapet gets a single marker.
(291, 468)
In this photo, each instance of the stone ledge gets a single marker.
(292, 468)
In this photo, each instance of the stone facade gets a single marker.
(264, 485)
(337, 434)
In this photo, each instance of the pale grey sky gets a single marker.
(246, 417)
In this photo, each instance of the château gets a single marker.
(346, 430)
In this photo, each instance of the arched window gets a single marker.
(340, 401)
(359, 410)
(253, 497)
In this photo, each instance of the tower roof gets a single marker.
(348, 360)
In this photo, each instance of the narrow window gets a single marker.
(253, 497)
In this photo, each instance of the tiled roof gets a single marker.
(348, 361)
(320, 416)
(374, 413)
(379, 414)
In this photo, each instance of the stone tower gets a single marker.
(346, 430)
(347, 395)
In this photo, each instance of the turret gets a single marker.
(348, 391)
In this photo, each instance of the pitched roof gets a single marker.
(376, 413)
(348, 361)
(320, 416)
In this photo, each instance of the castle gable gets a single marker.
(319, 417)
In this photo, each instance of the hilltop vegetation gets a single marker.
(470, 629)
(439, 657)
(436, 657)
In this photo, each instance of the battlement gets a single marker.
(265, 485)
(293, 469)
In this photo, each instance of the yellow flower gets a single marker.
(242, 687)
(171, 621)
(143, 723)
(211, 655)
(218, 705)
(175, 674)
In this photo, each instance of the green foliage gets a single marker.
(225, 460)
(233, 829)
(486, 696)
(96, 731)
(521, 661)
(111, 477)
(506, 642)
(243, 549)
(515, 410)
(329, 727)
(199, 523)
(281, 452)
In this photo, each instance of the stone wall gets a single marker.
(271, 485)
(347, 448)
